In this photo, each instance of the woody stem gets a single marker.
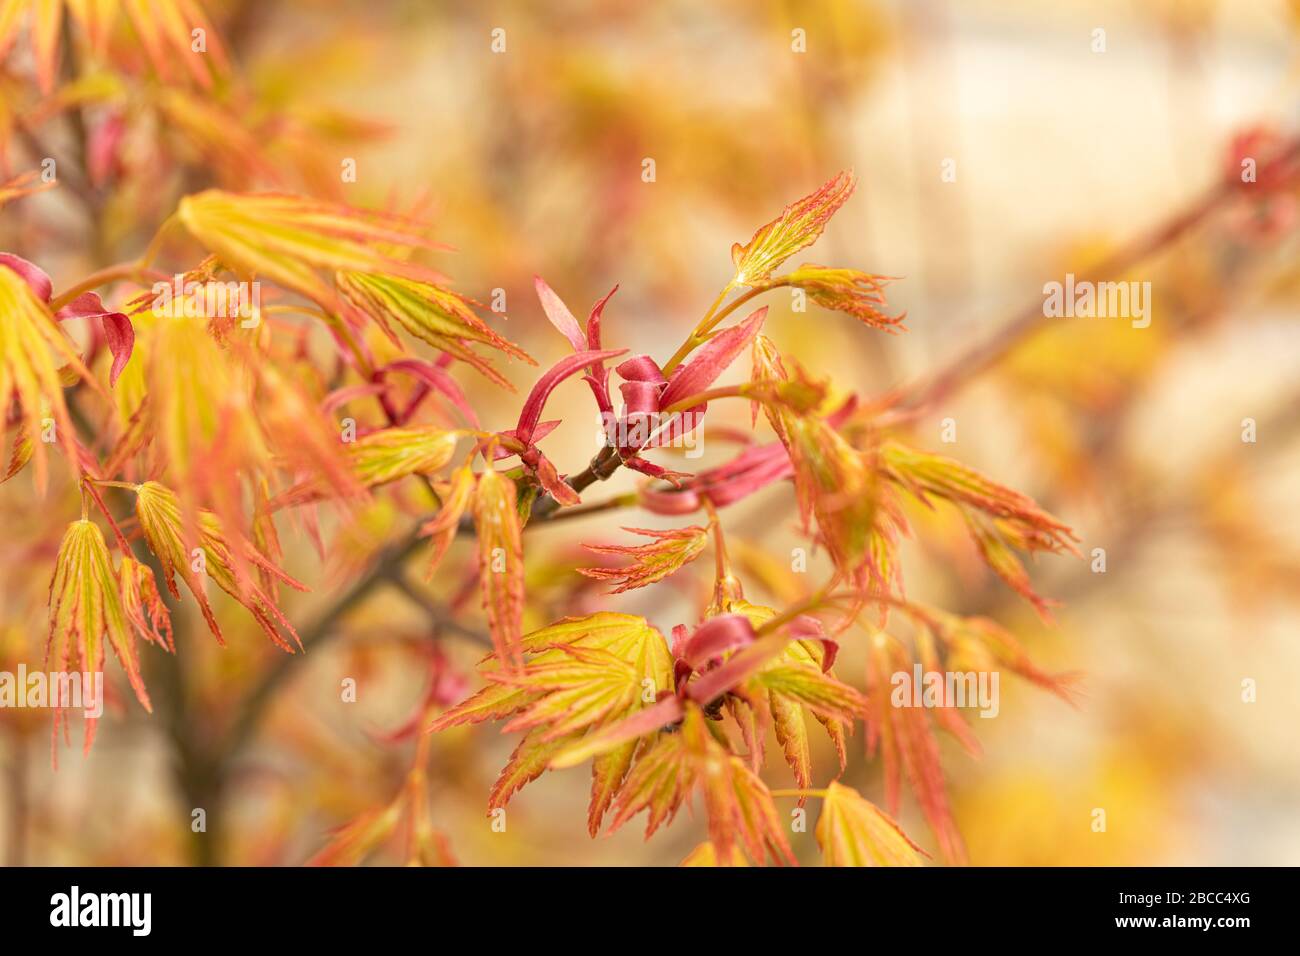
(985, 354)
(602, 466)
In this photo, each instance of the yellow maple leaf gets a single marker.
(853, 831)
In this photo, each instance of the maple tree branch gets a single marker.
(920, 399)
(202, 774)
(256, 703)
(606, 462)
(443, 618)
(581, 511)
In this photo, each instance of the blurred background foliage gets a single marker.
(530, 161)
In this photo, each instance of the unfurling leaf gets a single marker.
(286, 239)
(143, 605)
(834, 481)
(381, 457)
(443, 527)
(160, 519)
(799, 225)
(393, 453)
(982, 644)
(429, 312)
(500, 560)
(860, 294)
(667, 552)
(999, 518)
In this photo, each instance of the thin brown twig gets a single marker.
(257, 702)
(443, 618)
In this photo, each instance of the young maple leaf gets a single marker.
(304, 437)
(384, 456)
(1000, 520)
(580, 690)
(799, 225)
(908, 746)
(86, 610)
(667, 552)
(30, 341)
(20, 456)
(442, 528)
(580, 674)
(795, 685)
(288, 238)
(834, 481)
(220, 416)
(143, 605)
(712, 666)
(860, 294)
(737, 802)
(981, 644)
(159, 514)
(166, 29)
(500, 559)
(853, 831)
(431, 313)
(353, 842)
(197, 409)
(780, 692)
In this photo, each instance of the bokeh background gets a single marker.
(531, 161)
